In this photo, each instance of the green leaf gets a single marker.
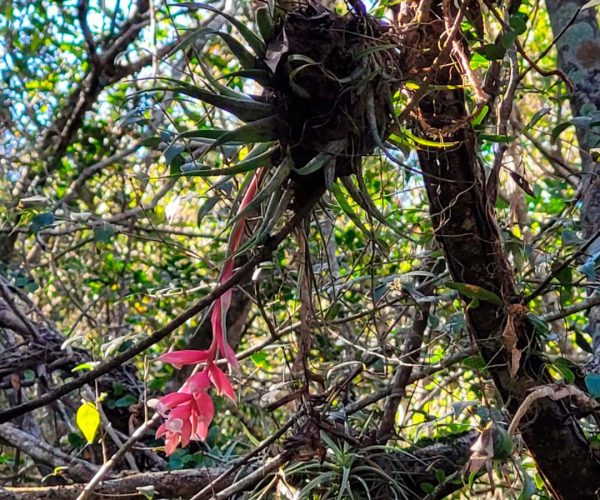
(491, 51)
(481, 116)
(478, 61)
(541, 327)
(260, 76)
(317, 163)
(173, 151)
(503, 139)
(264, 130)
(503, 443)
(90, 365)
(253, 40)
(427, 487)
(249, 163)
(508, 39)
(518, 24)
(260, 359)
(556, 131)
(147, 491)
(529, 488)
(206, 208)
(412, 138)
(564, 367)
(40, 221)
(246, 58)
(333, 311)
(104, 233)
(592, 382)
(537, 117)
(476, 292)
(264, 21)
(88, 421)
(474, 362)
(126, 401)
(246, 110)
(75, 439)
(440, 475)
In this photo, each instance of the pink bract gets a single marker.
(186, 357)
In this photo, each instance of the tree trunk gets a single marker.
(465, 226)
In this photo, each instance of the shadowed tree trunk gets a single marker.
(465, 226)
(579, 57)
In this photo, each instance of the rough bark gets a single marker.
(579, 58)
(172, 484)
(465, 226)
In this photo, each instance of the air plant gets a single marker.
(328, 82)
(346, 472)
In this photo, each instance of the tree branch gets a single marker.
(42, 452)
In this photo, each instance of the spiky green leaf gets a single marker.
(258, 46)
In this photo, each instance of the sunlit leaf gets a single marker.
(88, 420)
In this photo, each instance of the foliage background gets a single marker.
(104, 241)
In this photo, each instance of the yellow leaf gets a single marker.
(88, 420)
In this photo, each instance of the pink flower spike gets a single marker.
(186, 357)
(178, 417)
(170, 401)
(221, 381)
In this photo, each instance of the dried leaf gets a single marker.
(276, 49)
(510, 338)
(482, 451)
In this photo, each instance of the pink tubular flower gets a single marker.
(189, 412)
(171, 439)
